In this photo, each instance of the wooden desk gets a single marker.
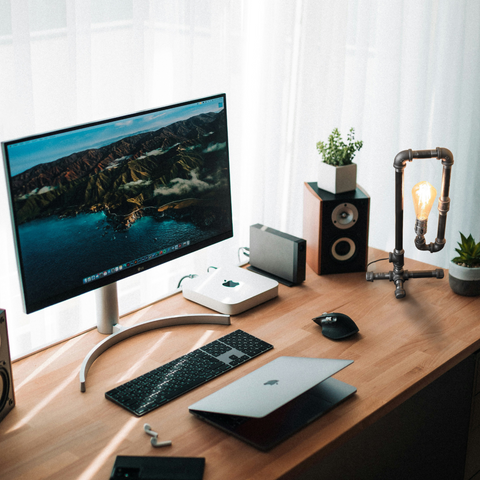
(56, 432)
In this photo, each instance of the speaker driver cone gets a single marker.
(7, 395)
(343, 249)
(4, 388)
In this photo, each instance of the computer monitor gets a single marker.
(96, 203)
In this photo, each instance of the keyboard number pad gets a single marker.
(233, 357)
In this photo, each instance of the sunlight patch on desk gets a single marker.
(45, 401)
(61, 351)
(104, 456)
(203, 340)
(131, 372)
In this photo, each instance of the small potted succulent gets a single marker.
(338, 173)
(464, 272)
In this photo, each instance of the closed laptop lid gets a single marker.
(271, 386)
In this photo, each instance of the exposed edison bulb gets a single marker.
(423, 197)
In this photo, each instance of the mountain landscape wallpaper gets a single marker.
(99, 207)
(146, 174)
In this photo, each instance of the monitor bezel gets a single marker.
(30, 306)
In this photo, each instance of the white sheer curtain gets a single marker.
(405, 74)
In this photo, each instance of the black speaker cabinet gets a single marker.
(335, 227)
(7, 397)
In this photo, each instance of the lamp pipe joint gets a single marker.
(431, 247)
(402, 158)
(446, 156)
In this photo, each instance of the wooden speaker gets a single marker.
(335, 227)
(7, 398)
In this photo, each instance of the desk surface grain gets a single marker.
(57, 432)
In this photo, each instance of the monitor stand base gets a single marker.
(127, 332)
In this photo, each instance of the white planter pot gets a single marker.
(337, 179)
(464, 280)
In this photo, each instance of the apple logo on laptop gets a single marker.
(230, 283)
(271, 382)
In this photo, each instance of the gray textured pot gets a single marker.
(464, 280)
(337, 179)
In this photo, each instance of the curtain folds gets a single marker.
(403, 73)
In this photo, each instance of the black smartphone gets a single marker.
(158, 468)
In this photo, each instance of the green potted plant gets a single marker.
(464, 272)
(338, 173)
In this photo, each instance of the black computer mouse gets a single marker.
(336, 326)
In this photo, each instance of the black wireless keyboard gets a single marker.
(157, 387)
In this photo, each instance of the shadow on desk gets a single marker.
(424, 438)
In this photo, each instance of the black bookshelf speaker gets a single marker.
(335, 227)
(7, 397)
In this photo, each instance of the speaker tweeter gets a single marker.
(345, 215)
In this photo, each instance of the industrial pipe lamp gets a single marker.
(423, 197)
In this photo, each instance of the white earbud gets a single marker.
(154, 442)
(154, 435)
(149, 431)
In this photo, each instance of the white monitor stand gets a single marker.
(107, 323)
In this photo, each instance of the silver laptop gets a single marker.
(271, 403)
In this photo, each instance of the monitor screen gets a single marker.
(95, 203)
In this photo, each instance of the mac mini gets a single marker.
(230, 290)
